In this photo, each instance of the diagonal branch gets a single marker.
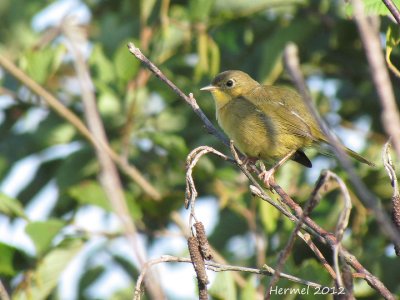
(68, 115)
(188, 99)
(393, 9)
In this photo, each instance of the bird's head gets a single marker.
(229, 85)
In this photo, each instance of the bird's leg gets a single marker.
(248, 163)
(266, 175)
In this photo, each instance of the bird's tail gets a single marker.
(358, 157)
(325, 148)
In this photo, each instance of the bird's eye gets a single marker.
(229, 83)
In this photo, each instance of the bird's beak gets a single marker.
(208, 88)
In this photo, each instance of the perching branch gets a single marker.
(309, 225)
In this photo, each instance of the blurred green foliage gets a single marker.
(154, 130)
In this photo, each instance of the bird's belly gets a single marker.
(257, 137)
(250, 136)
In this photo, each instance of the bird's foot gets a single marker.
(267, 176)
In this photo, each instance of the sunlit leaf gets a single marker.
(11, 207)
(6, 259)
(249, 291)
(126, 65)
(43, 232)
(269, 216)
(146, 7)
(103, 69)
(378, 7)
(223, 287)
(90, 192)
(39, 282)
(392, 42)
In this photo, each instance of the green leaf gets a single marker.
(108, 102)
(249, 291)
(11, 207)
(199, 10)
(373, 7)
(103, 69)
(271, 64)
(146, 7)
(90, 192)
(167, 121)
(244, 7)
(61, 134)
(43, 233)
(39, 64)
(168, 41)
(392, 42)
(378, 7)
(174, 144)
(223, 287)
(90, 276)
(6, 259)
(126, 65)
(42, 280)
(269, 216)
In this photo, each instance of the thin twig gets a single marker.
(216, 267)
(329, 238)
(307, 239)
(189, 99)
(389, 166)
(393, 10)
(284, 254)
(341, 225)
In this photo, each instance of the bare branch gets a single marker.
(188, 99)
(216, 267)
(393, 9)
(284, 254)
(389, 166)
(307, 239)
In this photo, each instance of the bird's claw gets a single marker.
(266, 176)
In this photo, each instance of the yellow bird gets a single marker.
(267, 123)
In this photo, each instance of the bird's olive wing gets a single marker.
(286, 109)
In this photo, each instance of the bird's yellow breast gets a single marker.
(251, 131)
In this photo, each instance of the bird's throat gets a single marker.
(220, 98)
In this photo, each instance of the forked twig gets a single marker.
(216, 267)
(389, 166)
